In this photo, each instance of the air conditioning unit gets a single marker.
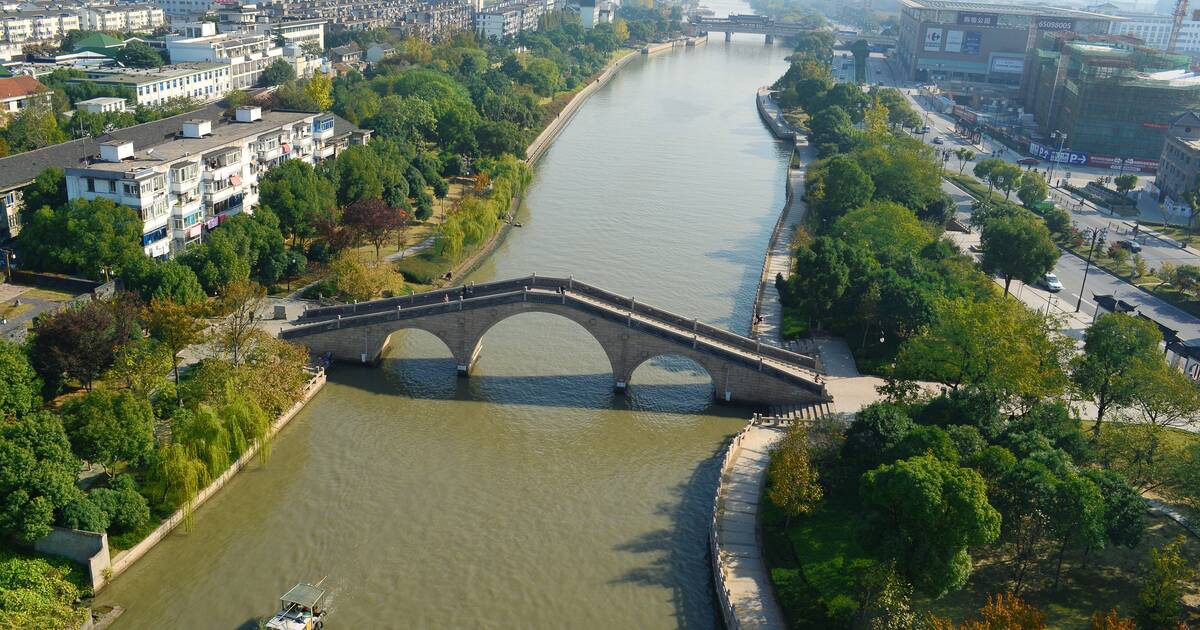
(115, 151)
(248, 113)
(196, 128)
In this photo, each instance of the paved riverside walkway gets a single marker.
(779, 253)
(745, 573)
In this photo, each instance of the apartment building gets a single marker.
(33, 26)
(17, 93)
(188, 173)
(246, 55)
(123, 17)
(433, 21)
(185, 9)
(507, 20)
(203, 81)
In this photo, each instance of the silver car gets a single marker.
(1051, 283)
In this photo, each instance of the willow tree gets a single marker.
(181, 476)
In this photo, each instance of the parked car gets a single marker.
(938, 140)
(1051, 283)
(925, 129)
(1131, 245)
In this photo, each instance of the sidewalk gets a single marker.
(779, 254)
(745, 574)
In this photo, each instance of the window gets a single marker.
(130, 189)
(154, 236)
(323, 124)
(91, 184)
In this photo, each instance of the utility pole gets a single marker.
(1062, 140)
(1088, 266)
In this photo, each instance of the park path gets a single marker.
(779, 253)
(743, 570)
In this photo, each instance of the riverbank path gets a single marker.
(744, 572)
(779, 252)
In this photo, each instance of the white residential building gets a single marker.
(203, 81)
(247, 55)
(203, 169)
(123, 17)
(178, 9)
(101, 105)
(506, 20)
(31, 26)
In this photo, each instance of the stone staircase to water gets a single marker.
(798, 413)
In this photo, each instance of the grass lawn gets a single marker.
(52, 295)
(9, 311)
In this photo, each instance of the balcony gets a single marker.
(189, 185)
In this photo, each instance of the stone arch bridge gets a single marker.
(631, 333)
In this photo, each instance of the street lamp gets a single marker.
(1062, 140)
(9, 256)
(1096, 234)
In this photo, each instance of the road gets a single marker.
(1070, 268)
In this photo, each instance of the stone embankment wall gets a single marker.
(771, 114)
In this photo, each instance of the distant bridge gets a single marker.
(755, 24)
(742, 369)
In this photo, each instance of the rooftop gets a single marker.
(16, 87)
(20, 169)
(133, 76)
(101, 100)
(1006, 9)
(173, 147)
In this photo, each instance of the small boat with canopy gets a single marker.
(300, 608)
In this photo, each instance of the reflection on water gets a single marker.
(529, 495)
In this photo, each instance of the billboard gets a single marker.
(971, 41)
(1055, 24)
(977, 19)
(1127, 165)
(954, 40)
(933, 40)
(1066, 156)
(1008, 65)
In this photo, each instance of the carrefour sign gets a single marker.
(1065, 156)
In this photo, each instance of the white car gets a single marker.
(1051, 283)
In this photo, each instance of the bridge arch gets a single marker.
(577, 319)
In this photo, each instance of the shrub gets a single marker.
(83, 513)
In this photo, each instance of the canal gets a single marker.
(528, 495)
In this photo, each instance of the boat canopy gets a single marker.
(303, 594)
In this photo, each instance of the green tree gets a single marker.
(408, 119)
(1017, 246)
(163, 280)
(109, 427)
(34, 127)
(359, 175)
(965, 156)
(37, 474)
(38, 593)
(1077, 519)
(219, 261)
(298, 196)
(1031, 189)
(48, 189)
(844, 185)
(832, 127)
(1166, 575)
(543, 76)
(175, 326)
(179, 475)
(926, 513)
(984, 168)
(139, 55)
(1125, 182)
(889, 230)
(140, 366)
(242, 302)
(1117, 350)
(278, 73)
(998, 345)
(794, 487)
(95, 238)
(20, 386)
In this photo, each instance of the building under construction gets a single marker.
(1111, 96)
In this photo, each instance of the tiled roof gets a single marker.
(14, 87)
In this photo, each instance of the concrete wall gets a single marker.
(769, 111)
(87, 548)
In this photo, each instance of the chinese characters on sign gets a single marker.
(977, 19)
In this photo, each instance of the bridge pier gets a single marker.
(770, 39)
(728, 36)
(464, 366)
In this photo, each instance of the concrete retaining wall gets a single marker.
(780, 129)
(126, 558)
(714, 538)
(87, 548)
